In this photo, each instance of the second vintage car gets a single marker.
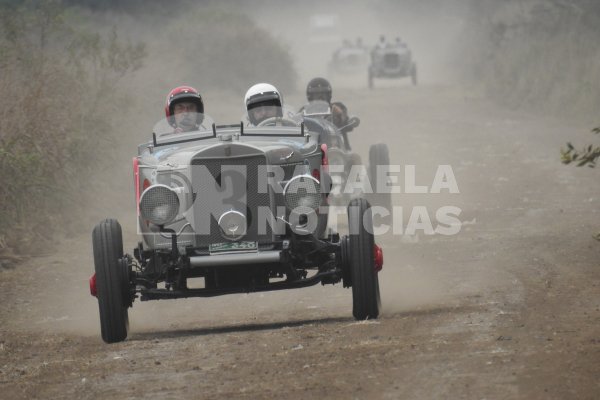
(392, 62)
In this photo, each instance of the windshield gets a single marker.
(271, 115)
(317, 108)
(183, 127)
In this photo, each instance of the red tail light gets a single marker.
(316, 174)
(93, 290)
(378, 257)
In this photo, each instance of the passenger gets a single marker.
(184, 109)
(400, 43)
(263, 101)
(375, 52)
(382, 43)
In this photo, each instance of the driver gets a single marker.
(184, 109)
(263, 101)
(400, 43)
(320, 89)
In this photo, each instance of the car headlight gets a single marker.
(302, 194)
(159, 204)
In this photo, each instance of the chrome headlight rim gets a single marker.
(174, 204)
(317, 194)
(243, 219)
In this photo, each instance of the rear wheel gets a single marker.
(112, 280)
(366, 301)
(379, 155)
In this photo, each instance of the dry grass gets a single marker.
(55, 117)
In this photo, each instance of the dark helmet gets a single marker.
(184, 93)
(319, 89)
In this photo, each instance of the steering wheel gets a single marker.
(278, 121)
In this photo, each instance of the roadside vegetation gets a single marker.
(539, 55)
(58, 85)
(585, 156)
(73, 84)
(535, 54)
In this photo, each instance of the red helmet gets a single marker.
(184, 93)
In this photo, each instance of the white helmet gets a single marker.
(263, 94)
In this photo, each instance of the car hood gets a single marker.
(277, 150)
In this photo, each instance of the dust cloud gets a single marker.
(188, 53)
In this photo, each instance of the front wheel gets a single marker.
(112, 280)
(366, 301)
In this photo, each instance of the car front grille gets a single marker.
(245, 191)
(391, 60)
(289, 169)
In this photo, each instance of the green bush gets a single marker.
(586, 156)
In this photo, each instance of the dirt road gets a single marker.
(507, 308)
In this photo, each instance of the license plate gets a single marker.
(232, 246)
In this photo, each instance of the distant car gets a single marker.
(348, 60)
(392, 62)
(240, 208)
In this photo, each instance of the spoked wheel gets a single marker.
(366, 301)
(379, 155)
(112, 280)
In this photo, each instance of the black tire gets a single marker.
(379, 154)
(111, 280)
(414, 74)
(366, 301)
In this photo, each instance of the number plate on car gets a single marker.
(233, 246)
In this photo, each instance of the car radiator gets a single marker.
(239, 177)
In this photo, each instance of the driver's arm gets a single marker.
(339, 114)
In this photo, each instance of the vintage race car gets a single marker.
(241, 208)
(392, 62)
(345, 164)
